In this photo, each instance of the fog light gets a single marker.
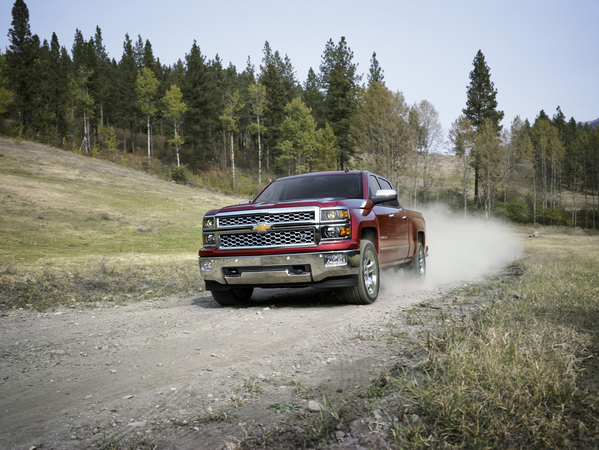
(335, 259)
(209, 239)
(206, 266)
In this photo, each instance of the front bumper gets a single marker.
(296, 269)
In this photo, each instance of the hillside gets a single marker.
(592, 123)
(69, 217)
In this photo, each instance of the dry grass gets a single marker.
(509, 376)
(78, 229)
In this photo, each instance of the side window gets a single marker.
(386, 185)
(373, 186)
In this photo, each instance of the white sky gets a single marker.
(542, 53)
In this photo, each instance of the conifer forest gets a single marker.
(205, 122)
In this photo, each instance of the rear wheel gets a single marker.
(416, 270)
(233, 297)
(367, 289)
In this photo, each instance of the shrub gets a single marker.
(180, 174)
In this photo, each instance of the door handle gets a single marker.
(405, 217)
(392, 216)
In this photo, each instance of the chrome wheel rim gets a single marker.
(421, 263)
(370, 272)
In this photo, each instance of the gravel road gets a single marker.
(150, 370)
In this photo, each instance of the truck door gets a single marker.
(386, 222)
(400, 223)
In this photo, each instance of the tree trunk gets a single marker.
(149, 143)
(465, 180)
(259, 154)
(177, 146)
(232, 160)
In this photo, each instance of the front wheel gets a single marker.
(233, 297)
(367, 289)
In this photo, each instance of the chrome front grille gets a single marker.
(270, 239)
(267, 218)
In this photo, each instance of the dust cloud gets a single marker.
(461, 248)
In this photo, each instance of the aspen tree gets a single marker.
(174, 109)
(147, 88)
(257, 99)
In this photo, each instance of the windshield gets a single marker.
(319, 186)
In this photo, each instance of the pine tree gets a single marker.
(481, 93)
(203, 107)
(127, 82)
(21, 64)
(340, 81)
(376, 72)
(103, 86)
(314, 98)
(6, 96)
(481, 104)
(58, 71)
(277, 76)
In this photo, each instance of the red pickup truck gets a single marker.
(326, 230)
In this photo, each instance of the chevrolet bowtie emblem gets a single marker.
(261, 228)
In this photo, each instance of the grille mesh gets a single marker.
(271, 239)
(252, 219)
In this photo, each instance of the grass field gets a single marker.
(521, 372)
(73, 228)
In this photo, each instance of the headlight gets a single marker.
(209, 222)
(329, 215)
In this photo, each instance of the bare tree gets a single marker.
(425, 121)
(461, 135)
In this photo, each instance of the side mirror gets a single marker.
(245, 202)
(384, 195)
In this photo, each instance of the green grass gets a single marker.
(509, 376)
(282, 407)
(75, 228)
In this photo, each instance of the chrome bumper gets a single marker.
(278, 269)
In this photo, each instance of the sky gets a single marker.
(541, 53)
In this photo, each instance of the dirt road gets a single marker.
(72, 378)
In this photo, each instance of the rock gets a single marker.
(339, 435)
(415, 418)
(534, 234)
(141, 423)
(377, 414)
(313, 405)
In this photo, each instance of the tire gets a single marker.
(233, 297)
(367, 290)
(416, 270)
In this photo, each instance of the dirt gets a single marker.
(167, 371)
